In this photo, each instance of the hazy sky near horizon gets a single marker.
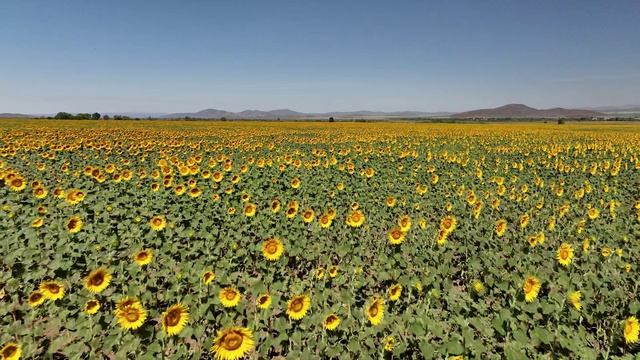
(316, 56)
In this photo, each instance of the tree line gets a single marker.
(86, 116)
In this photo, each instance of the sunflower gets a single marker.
(395, 291)
(52, 290)
(11, 351)
(333, 271)
(574, 298)
(264, 301)
(565, 254)
(130, 314)
(308, 215)
(17, 184)
(36, 298)
(448, 224)
(375, 311)
(298, 306)
(143, 257)
(390, 201)
(404, 223)
(195, 192)
(232, 343)
(478, 287)
(92, 306)
(37, 222)
(395, 236)
(325, 220)
(174, 319)
(208, 277)
(441, 237)
(272, 249)
(606, 251)
(74, 224)
(389, 343)
(501, 227)
(275, 206)
(631, 330)
(249, 210)
(531, 287)
(229, 297)
(97, 281)
(356, 219)
(157, 223)
(331, 321)
(593, 213)
(319, 275)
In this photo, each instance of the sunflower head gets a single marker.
(157, 223)
(97, 280)
(11, 351)
(531, 287)
(208, 277)
(331, 321)
(264, 301)
(229, 297)
(130, 316)
(232, 343)
(272, 249)
(143, 257)
(74, 224)
(565, 254)
(375, 311)
(36, 298)
(395, 291)
(298, 306)
(52, 290)
(631, 329)
(92, 306)
(174, 319)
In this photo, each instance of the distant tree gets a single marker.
(63, 116)
(106, 117)
(95, 116)
(223, 119)
(331, 119)
(560, 121)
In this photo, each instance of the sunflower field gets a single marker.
(278, 240)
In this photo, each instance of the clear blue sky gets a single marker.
(324, 55)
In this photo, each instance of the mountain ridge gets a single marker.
(521, 111)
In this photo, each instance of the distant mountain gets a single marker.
(14, 116)
(615, 109)
(290, 114)
(520, 111)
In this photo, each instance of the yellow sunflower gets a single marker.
(565, 254)
(389, 343)
(232, 343)
(143, 257)
(264, 301)
(74, 224)
(405, 223)
(229, 297)
(395, 291)
(208, 277)
(98, 280)
(130, 315)
(11, 351)
(92, 306)
(36, 298)
(375, 311)
(631, 330)
(333, 271)
(174, 319)
(356, 219)
(531, 287)
(501, 227)
(37, 222)
(272, 249)
(52, 290)
(395, 236)
(249, 210)
(158, 223)
(331, 321)
(325, 220)
(298, 306)
(574, 298)
(448, 224)
(478, 287)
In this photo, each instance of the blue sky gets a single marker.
(173, 56)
